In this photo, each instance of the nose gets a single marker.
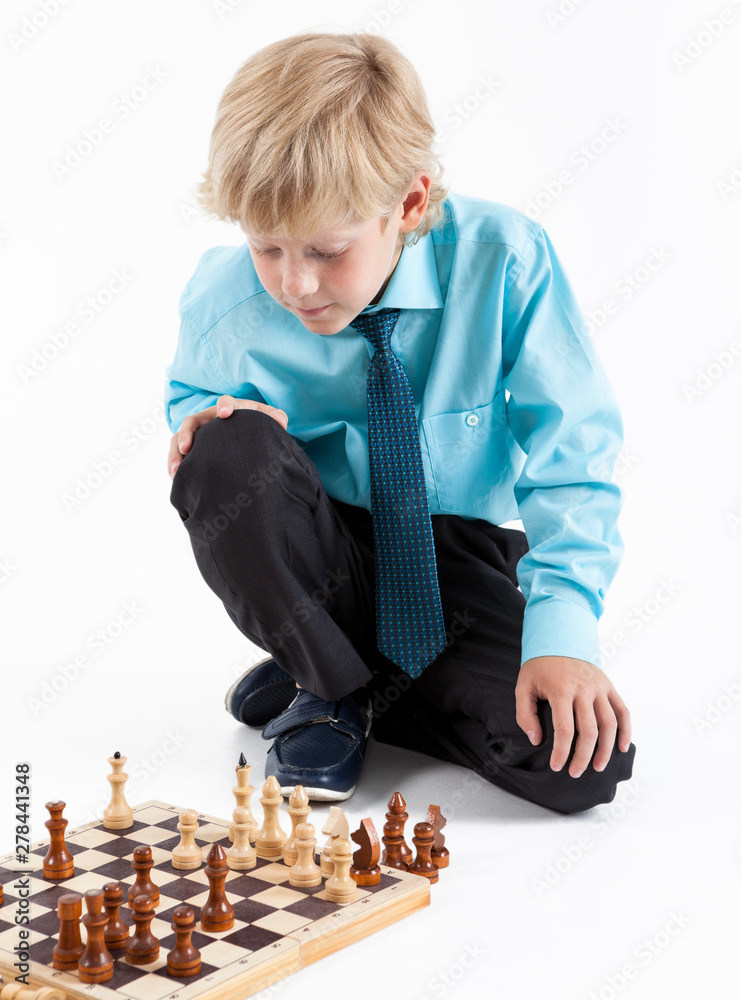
(299, 280)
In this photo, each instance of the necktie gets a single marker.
(409, 619)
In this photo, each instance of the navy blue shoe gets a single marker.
(319, 744)
(263, 691)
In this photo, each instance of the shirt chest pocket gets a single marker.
(468, 454)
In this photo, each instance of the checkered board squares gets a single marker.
(278, 928)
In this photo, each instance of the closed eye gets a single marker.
(269, 253)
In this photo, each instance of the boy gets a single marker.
(361, 395)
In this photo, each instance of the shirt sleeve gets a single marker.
(564, 416)
(191, 381)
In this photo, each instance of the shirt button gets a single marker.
(472, 419)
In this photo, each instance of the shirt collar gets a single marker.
(414, 283)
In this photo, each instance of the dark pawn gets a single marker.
(423, 840)
(69, 947)
(398, 811)
(440, 854)
(218, 913)
(143, 886)
(116, 931)
(96, 962)
(142, 947)
(184, 959)
(393, 840)
(58, 862)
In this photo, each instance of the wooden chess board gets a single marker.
(278, 929)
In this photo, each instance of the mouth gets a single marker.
(312, 312)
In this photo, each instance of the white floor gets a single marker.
(638, 899)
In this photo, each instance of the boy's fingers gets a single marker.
(607, 729)
(588, 733)
(562, 711)
(622, 714)
(225, 406)
(527, 715)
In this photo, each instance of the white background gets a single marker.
(541, 904)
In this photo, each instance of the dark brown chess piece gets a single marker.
(440, 855)
(142, 947)
(398, 811)
(217, 914)
(143, 886)
(116, 931)
(365, 870)
(423, 864)
(96, 962)
(69, 947)
(184, 959)
(393, 839)
(58, 863)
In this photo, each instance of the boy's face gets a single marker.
(337, 271)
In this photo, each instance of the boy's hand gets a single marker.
(182, 442)
(577, 691)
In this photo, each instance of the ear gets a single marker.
(415, 203)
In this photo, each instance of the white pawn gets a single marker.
(298, 810)
(305, 872)
(241, 854)
(187, 854)
(340, 888)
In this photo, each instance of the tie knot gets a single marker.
(377, 327)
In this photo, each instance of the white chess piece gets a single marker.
(187, 854)
(241, 855)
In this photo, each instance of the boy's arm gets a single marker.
(563, 414)
(191, 368)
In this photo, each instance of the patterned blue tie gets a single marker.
(409, 618)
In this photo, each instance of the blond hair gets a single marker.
(319, 130)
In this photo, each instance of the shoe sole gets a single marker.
(319, 794)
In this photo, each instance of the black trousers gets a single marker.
(295, 571)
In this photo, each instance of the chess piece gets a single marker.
(217, 913)
(336, 826)
(397, 811)
(243, 794)
(116, 931)
(143, 886)
(305, 872)
(96, 962)
(298, 810)
(67, 950)
(142, 947)
(241, 855)
(340, 888)
(269, 839)
(184, 959)
(393, 839)
(423, 865)
(58, 863)
(365, 870)
(118, 814)
(440, 855)
(187, 855)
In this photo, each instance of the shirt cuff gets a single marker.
(557, 628)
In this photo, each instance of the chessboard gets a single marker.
(278, 929)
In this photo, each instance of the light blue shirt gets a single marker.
(516, 416)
